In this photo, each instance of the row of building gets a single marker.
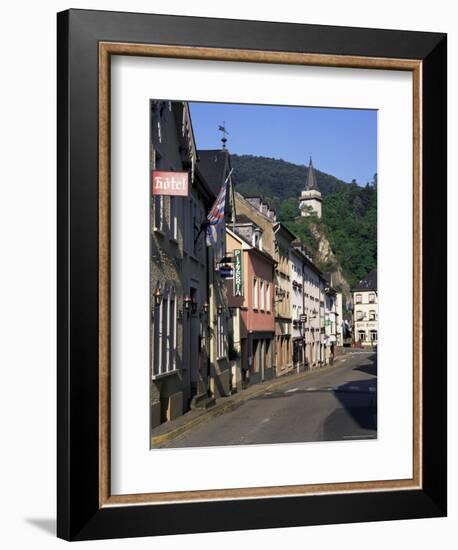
(232, 304)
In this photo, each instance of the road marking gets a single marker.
(310, 389)
(353, 388)
(291, 390)
(372, 389)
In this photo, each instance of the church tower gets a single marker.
(310, 196)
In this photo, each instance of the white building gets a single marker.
(297, 260)
(365, 311)
(340, 321)
(313, 309)
(332, 317)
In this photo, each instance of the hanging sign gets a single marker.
(226, 271)
(170, 183)
(238, 273)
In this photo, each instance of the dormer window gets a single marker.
(257, 239)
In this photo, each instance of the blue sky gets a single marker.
(342, 142)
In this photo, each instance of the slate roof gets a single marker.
(213, 165)
(243, 218)
(369, 282)
(279, 226)
(311, 183)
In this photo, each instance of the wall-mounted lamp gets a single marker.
(187, 302)
(157, 296)
(205, 307)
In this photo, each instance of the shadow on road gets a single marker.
(358, 417)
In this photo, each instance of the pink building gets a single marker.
(251, 292)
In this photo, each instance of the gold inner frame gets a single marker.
(106, 50)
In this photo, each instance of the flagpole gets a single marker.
(231, 186)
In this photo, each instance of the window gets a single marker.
(359, 315)
(156, 339)
(371, 315)
(164, 334)
(164, 330)
(171, 333)
(255, 293)
(220, 339)
(262, 297)
(267, 297)
(255, 356)
(256, 239)
(362, 336)
(373, 335)
(371, 298)
(195, 227)
(159, 212)
(188, 228)
(359, 298)
(173, 218)
(268, 355)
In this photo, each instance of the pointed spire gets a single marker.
(311, 182)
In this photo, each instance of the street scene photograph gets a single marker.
(263, 274)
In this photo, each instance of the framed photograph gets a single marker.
(251, 275)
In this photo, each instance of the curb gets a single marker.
(217, 410)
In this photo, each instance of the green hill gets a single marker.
(276, 178)
(349, 219)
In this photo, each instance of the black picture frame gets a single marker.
(79, 515)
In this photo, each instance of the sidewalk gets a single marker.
(172, 429)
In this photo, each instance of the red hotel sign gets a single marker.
(170, 183)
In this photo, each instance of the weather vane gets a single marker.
(222, 129)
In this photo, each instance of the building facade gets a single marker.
(365, 311)
(179, 338)
(298, 316)
(215, 167)
(190, 313)
(256, 210)
(282, 300)
(332, 317)
(313, 297)
(251, 299)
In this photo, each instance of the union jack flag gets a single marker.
(216, 214)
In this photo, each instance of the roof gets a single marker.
(311, 183)
(251, 248)
(213, 164)
(243, 218)
(279, 226)
(369, 282)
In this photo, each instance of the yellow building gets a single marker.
(282, 300)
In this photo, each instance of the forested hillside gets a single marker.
(349, 219)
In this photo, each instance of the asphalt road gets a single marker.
(334, 405)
